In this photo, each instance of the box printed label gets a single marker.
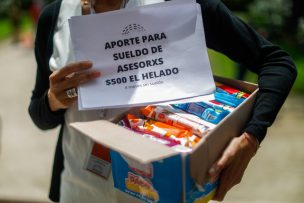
(99, 161)
(140, 185)
(155, 182)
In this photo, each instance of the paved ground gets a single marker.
(26, 152)
(275, 175)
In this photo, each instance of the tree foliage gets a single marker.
(238, 5)
(277, 19)
(270, 15)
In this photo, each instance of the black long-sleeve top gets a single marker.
(224, 32)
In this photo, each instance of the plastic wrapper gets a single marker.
(229, 96)
(232, 91)
(160, 129)
(204, 111)
(165, 115)
(219, 105)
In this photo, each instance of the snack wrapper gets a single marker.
(220, 105)
(156, 128)
(155, 137)
(204, 111)
(229, 96)
(232, 91)
(164, 115)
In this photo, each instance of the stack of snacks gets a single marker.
(180, 139)
(181, 126)
(213, 111)
(160, 113)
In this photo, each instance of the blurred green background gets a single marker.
(280, 21)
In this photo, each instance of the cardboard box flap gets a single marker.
(124, 141)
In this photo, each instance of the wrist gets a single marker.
(253, 142)
(50, 102)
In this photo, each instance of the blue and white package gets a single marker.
(204, 111)
(226, 98)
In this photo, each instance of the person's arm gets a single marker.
(227, 34)
(39, 108)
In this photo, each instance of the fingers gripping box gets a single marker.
(147, 171)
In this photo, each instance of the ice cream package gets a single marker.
(229, 96)
(204, 111)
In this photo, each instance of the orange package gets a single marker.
(152, 127)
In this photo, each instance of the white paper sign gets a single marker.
(147, 54)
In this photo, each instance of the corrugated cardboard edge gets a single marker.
(124, 141)
(238, 84)
(213, 145)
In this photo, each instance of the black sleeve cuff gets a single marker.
(41, 114)
(257, 131)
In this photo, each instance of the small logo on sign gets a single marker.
(133, 28)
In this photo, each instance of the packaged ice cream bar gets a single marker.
(189, 116)
(229, 96)
(220, 105)
(164, 115)
(155, 137)
(204, 111)
(124, 123)
(163, 140)
(232, 91)
(156, 128)
(227, 99)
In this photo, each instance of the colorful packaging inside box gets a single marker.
(167, 178)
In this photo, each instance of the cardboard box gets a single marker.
(151, 172)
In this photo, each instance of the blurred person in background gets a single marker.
(35, 10)
(54, 98)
